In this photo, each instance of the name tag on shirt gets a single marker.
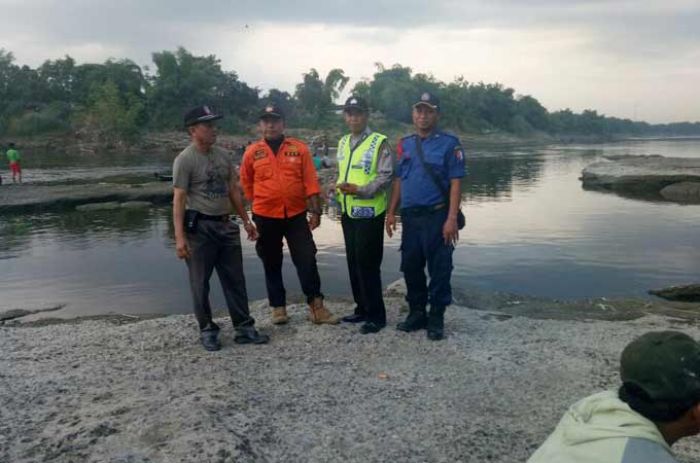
(364, 212)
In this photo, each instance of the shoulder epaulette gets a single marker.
(449, 134)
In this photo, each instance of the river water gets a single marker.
(531, 229)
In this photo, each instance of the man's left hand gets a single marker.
(251, 231)
(450, 232)
(314, 220)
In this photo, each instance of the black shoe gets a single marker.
(249, 335)
(416, 320)
(371, 327)
(210, 340)
(354, 318)
(436, 323)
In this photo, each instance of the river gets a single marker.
(531, 229)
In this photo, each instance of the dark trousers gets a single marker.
(364, 249)
(302, 249)
(217, 245)
(421, 243)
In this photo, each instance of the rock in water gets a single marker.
(108, 206)
(682, 192)
(640, 176)
(685, 293)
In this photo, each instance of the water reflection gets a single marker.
(74, 229)
(493, 177)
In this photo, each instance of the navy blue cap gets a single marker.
(271, 110)
(356, 102)
(428, 99)
(200, 114)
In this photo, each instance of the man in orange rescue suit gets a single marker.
(278, 176)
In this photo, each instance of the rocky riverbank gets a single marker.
(108, 193)
(25, 197)
(111, 391)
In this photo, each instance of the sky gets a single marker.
(632, 59)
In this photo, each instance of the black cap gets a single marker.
(271, 110)
(356, 102)
(428, 99)
(200, 114)
(664, 364)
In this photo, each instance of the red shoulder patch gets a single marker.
(399, 149)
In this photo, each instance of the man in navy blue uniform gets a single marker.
(427, 187)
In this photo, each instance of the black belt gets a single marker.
(217, 218)
(422, 210)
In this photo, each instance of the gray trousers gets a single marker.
(217, 245)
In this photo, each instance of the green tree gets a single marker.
(533, 112)
(112, 115)
(57, 78)
(392, 92)
(183, 81)
(316, 97)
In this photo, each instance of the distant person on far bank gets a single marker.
(427, 192)
(318, 163)
(279, 177)
(365, 171)
(657, 404)
(14, 158)
(206, 187)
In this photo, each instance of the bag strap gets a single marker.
(431, 173)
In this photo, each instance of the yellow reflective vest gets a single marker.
(359, 166)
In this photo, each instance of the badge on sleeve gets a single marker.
(459, 153)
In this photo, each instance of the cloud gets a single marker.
(608, 55)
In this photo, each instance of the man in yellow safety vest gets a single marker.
(365, 170)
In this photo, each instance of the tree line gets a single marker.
(120, 100)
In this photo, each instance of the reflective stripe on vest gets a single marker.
(359, 166)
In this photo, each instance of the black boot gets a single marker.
(436, 323)
(210, 340)
(249, 335)
(416, 320)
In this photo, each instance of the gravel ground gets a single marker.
(96, 391)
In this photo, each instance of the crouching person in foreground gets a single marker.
(657, 404)
(205, 186)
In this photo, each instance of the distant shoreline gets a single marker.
(175, 140)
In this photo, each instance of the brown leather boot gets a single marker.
(279, 315)
(319, 314)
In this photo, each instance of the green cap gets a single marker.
(664, 364)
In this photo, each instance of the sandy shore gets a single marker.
(100, 391)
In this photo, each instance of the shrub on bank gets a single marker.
(51, 119)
